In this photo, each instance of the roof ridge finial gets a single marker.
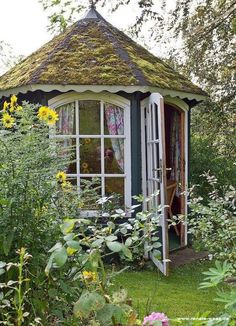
(92, 4)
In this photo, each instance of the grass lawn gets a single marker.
(177, 295)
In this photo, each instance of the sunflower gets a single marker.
(5, 106)
(89, 277)
(7, 120)
(13, 100)
(19, 108)
(84, 165)
(43, 112)
(52, 117)
(66, 186)
(61, 177)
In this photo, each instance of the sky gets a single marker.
(23, 24)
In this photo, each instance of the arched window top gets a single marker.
(104, 96)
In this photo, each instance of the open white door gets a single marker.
(154, 168)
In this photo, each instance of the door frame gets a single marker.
(183, 108)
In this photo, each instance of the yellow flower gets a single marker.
(66, 186)
(87, 140)
(52, 117)
(61, 177)
(19, 108)
(8, 120)
(13, 100)
(43, 112)
(89, 277)
(12, 109)
(84, 165)
(5, 106)
(71, 251)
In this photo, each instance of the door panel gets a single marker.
(154, 169)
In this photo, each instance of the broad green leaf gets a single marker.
(73, 244)
(49, 265)
(114, 246)
(2, 264)
(67, 226)
(60, 256)
(111, 238)
(87, 303)
(105, 314)
(128, 242)
(69, 236)
(97, 243)
(127, 252)
(57, 246)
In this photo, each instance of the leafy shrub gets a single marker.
(40, 210)
(213, 225)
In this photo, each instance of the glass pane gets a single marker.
(114, 155)
(67, 151)
(90, 155)
(66, 123)
(89, 118)
(91, 192)
(116, 187)
(114, 120)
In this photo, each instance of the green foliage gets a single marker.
(13, 294)
(215, 278)
(213, 224)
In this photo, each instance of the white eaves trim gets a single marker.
(101, 88)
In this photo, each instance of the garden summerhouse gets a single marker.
(124, 109)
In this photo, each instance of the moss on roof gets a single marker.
(93, 52)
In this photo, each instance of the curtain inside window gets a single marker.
(66, 122)
(175, 150)
(115, 124)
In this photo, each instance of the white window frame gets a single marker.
(103, 97)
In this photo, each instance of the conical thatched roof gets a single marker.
(93, 52)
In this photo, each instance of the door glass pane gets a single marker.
(114, 155)
(90, 155)
(114, 120)
(115, 186)
(89, 118)
(67, 151)
(66, 123)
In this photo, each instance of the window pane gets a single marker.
(114, 155)
(91, 192)
(66, 123)
(115, 186)
(89, 118)
(114, 120)
(72, 180)
(67, 151)
(90, 155)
